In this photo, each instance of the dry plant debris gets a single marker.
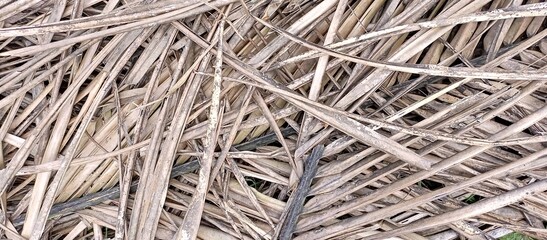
(271, 119)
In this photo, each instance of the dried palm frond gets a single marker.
(258, 119)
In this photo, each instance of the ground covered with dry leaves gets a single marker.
(272, 119)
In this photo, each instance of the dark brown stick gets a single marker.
(296, 201)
